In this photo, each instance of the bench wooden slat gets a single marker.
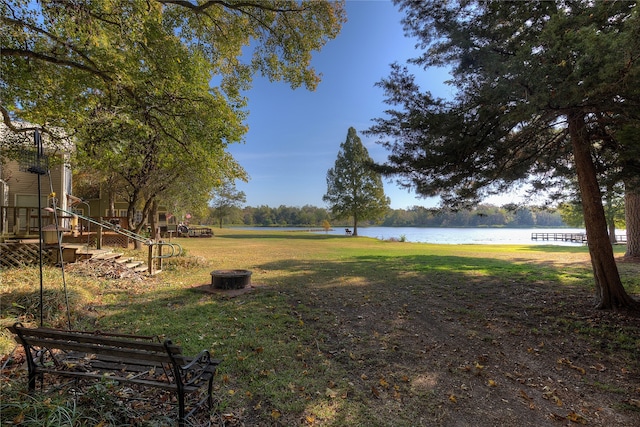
(110, 363)
(50, 331)
(115, 369)
(146, 382)
(126, 341)
(121, 352)
(109, 359)
(107, 362)
(124, 367)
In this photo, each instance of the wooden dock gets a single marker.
(561, 237)
(571, 237)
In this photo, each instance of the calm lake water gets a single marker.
(453, 236)
(456, 236)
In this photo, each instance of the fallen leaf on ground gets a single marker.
(567, 362)
(331, 393)
(19, 418)
(634, 402)
(551, 395)
(375, 391)
(576, 418)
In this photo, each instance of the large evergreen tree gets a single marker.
(354, 190)
(537, 82)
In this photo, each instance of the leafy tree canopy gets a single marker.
(152, 89)
(224, 199)
(57, 55)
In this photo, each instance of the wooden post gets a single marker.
(99, 237)
(150, 260)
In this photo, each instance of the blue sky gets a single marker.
(295, 135)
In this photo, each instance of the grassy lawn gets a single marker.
(343, 331)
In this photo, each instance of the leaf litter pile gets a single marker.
(109, 269)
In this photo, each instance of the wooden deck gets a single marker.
(571, 237)
(561, 237)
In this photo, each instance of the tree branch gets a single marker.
(235, 6)
(6, 118)
(38, 30)
(26, 53)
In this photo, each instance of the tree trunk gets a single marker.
(112, 203)
(610, 214)
(153, 221)
(612, 232)
(131, 219)
(355, 225)
(610, 293)
(632, 218)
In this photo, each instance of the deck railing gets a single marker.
(22, 220)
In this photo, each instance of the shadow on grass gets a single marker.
(283, 345)
(617, 249)
(381, 268)
(284, 235)
(411, 329)
(346, 341)
(559, 248)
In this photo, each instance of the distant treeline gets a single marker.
(417, 216)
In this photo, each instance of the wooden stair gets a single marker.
(107, 256)
(132, 264)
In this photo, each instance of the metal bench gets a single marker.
(142, 360)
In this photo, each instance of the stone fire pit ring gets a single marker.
(230, 279)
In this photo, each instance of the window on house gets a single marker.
(29, 216)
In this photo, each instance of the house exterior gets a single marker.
(98, 207)
(95, 202)
(19, 188)
(19, 213)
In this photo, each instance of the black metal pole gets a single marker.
(38, 142)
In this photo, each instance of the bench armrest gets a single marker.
(190, 371)
(200, 368)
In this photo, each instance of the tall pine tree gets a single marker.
(354, 190)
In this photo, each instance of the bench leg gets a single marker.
(181, 419)
(32, 381)
(210, 391)
(33, 375)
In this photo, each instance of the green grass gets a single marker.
(280, 365)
